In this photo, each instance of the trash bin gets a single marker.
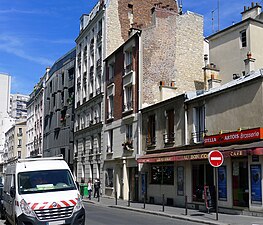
(81, 189)
(85, 190)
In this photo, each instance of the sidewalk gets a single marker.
(179, 213)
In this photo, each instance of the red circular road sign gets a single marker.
(215, 158)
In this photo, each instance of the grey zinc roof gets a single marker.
(243, 79)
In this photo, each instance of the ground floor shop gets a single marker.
(172, 176)
(121, 178)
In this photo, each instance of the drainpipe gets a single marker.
(185, 123)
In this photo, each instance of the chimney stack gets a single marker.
(251, 12)
(249, 63)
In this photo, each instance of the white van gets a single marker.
(41, 191)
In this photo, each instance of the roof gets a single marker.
(253, 75)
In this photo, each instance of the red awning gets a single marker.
(202, 153)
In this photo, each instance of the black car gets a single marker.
(1, 201)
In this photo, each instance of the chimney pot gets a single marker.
(252, 4)
(245, 8)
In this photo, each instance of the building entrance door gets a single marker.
(202, 175)
(240, 182)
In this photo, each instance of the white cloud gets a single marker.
(14, 45)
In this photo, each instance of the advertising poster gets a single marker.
(180, 180)
(256, 189)
(222, 183)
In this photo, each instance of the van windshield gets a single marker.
(45, 181)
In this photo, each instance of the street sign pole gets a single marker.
(216, 159)
(216, 176)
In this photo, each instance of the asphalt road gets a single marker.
(101, 215)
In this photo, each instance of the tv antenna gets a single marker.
(218, 22)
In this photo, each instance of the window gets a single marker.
(62, 78)
(151, 130)
(111, 107)
(19, 143)
(169, 135)
(109, 178)
(162, 174)
(243, 38)
(19, 154)
(128, 98)
(110, 141)
(84, 146)
(128, 61)
(199, 124)
(111, 72)
(129, 133)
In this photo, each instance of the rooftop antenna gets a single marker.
(218, 15)
(180, 7)
(213, 30)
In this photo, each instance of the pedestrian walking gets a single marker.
(97, 188)
(90, 188)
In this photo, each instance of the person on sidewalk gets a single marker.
(96, 188)
(90, 188)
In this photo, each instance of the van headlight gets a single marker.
(25, 208)
(79, 205)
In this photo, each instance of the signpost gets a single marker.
(216, 159)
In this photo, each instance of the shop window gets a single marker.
(162, 174)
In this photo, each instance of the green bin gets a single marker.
(85, 190)
(81, 189)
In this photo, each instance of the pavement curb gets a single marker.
(180, 217)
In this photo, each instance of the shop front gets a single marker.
(239, 178)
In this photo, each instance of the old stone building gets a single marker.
(143, 71)
(102, 31)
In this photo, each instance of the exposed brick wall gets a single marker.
(172, 51)
(119, 22)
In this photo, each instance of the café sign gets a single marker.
(234, 137)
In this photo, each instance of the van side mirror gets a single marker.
(12, 192)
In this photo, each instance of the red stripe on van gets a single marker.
(73, 202)
(34, 206)
(65, 203)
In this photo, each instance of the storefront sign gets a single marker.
(222, 183)
(180, 180)
(256, 188)
(234, 137)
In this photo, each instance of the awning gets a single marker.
(255, 148)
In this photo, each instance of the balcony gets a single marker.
(98, 63)
(110, 115)
(168, 138)
(109, 149)
(19, 134)
(97, 119)
(99, 36)
(128, 145)
(198, 137)
(98, 90)
(128, 68)
(150, 142)
(128, 106)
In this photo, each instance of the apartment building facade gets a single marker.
(236, 42)
(102, 31)
(18, 106)
(35, 118)
(230, 120)
(135, 78)
(58, 115)
(15, 144)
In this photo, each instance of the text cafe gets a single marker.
(186, 172)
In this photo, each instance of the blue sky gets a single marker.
(35, 33)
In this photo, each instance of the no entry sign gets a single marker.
(215, 158)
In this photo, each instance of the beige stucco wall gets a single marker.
(226, 52)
